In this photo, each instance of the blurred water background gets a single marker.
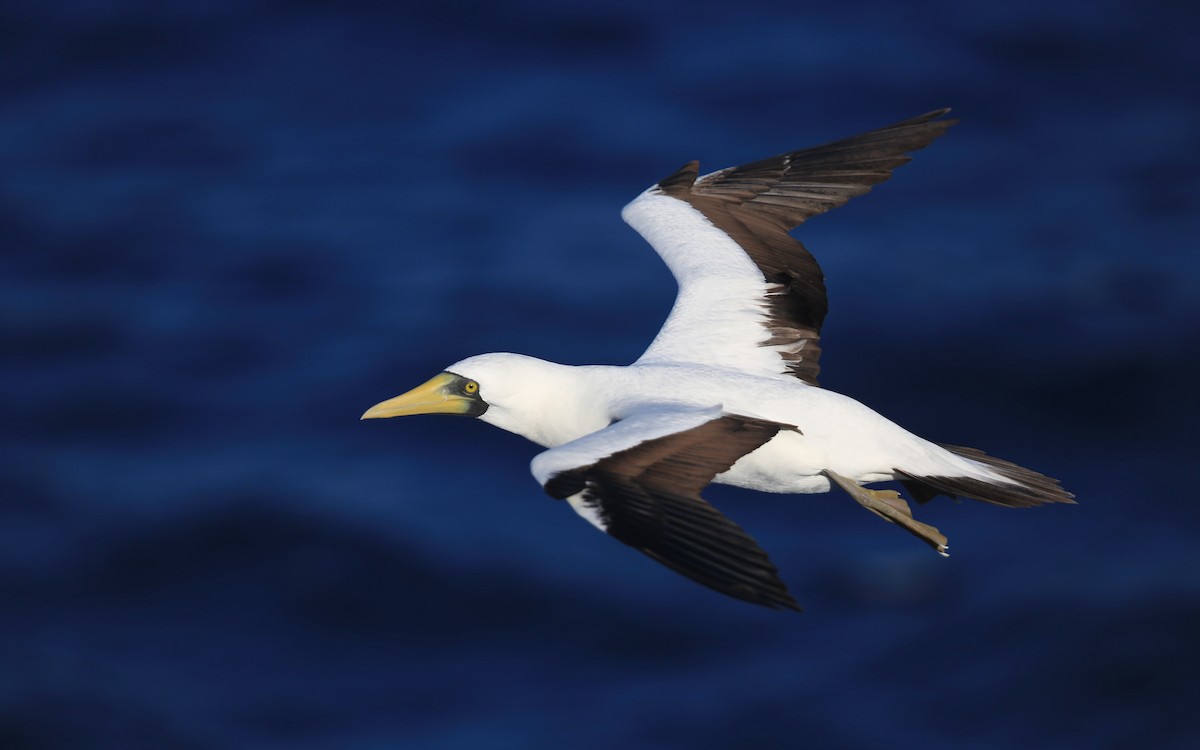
(229, 227)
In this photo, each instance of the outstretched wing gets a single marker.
(751, 297)
(639, 480)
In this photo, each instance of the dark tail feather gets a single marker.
(1031, 488)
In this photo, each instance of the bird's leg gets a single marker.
(889, 506)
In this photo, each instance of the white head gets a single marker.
(511, 391)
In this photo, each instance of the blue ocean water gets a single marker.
(229, 227)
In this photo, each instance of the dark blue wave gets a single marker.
(229, 227)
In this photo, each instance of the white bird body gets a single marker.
(562, 403)
(727, 391)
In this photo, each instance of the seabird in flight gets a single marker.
(727, 392)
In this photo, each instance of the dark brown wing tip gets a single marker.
(921, 130)
(936, 114)
(786, 602)
(763, 588)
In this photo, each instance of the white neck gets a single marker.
(544, 402)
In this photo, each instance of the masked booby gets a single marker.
(727, 391)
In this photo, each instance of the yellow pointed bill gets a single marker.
(435, 396)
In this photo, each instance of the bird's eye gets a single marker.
(470, 387)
